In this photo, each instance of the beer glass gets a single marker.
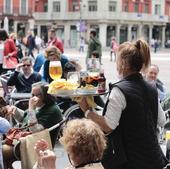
(55, 70)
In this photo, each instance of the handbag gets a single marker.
(14, 134)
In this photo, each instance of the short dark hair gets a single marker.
(27, 58)
(95, 53)
(52, 30)
(93, 31)
(69, 67)
(3, 34)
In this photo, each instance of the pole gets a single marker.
(80, 18)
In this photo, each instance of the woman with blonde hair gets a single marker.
(84, 142)
(131, 114)
(53, 54)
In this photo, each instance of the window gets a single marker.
(8, 6)
(136, 7)
(46, 7)
(157, 9)
(56, 6)
(112, 6)
(92, 5)
(146, 8)
(24, 7)
(125, 6)
(75, 5)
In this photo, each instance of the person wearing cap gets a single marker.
(55, 41)
(94, 45)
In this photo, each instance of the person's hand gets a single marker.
(33, 103)
(47, 160)
(8, 110)
(83, 104)
(41, 145)
(9, 55)
(18, 67)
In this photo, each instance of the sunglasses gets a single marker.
(26, 65)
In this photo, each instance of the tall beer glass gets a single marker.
(55, 70)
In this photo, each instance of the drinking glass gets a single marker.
(74, 77)
(55, 70)
(93, 67)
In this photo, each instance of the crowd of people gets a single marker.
(123, 137)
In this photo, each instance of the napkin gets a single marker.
(90, 100)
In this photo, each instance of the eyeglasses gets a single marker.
(26, 65)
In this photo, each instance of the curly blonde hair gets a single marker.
(84, 139)
(52, 50)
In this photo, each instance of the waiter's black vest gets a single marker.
(135, 141)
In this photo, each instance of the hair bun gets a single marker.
(137, 44)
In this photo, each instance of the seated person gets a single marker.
(65, 103)
(47, 114)
(71, 66)
(24, 76)
(152, 77)
(39, 61)
(5, 126)
(53, 54)
(44, 106)
(84, 142)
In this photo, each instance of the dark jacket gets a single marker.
(31, 42)
(46, 75)
(94, 45)
(47, 116)
(135, 140)
(22, 84)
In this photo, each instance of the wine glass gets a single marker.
(73, 77)
(93, 67)
(55, 70)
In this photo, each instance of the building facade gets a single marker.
(18, 14)
(124, 19)
(72, 19)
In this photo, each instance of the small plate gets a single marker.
(64, 92)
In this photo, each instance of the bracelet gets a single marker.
(87, 112)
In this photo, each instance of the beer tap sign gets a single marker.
(55, 70)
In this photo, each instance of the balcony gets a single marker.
(105, 15)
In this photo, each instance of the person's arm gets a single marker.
(5, 125)
(46, 158)
(59, 45)
(161, 116)
(13, 79)
(39, 77)
(12, 48)
(162, 93)
(45, 70)
(110, 121)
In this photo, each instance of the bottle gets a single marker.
(101, 82)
